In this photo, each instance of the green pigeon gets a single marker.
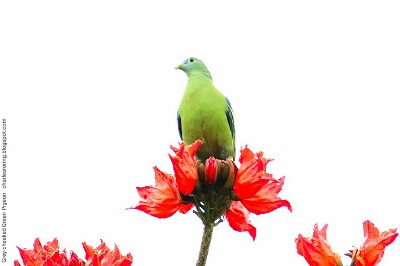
(205, 114)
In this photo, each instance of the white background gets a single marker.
(90, 95)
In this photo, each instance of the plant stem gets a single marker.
(205, 244)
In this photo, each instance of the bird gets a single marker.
(205, 114)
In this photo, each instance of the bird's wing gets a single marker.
(231, 122)
(179, 125)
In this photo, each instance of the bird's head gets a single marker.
(193, 66)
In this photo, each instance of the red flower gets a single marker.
(373, 248)
(104, 256)
(256, 189)
(161, 200)
(184, 166)
(49, 254)
(316, 250)
(238, 218)
(214, 181)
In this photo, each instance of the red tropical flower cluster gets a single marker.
(51, 255)
(317, 251)
(243, 189)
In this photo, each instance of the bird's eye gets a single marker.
(191, 59)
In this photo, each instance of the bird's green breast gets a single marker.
(203, 116)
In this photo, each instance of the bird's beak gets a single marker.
(180, 66)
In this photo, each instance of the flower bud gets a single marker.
(211, 170)
(231, 175)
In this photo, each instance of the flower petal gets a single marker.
(75, 261)
(266, 199)
(256, 189)
(184, 208)
(262, 196)
(52, 246)
(37, 246)
(238, 218)
(316, 250)
(115, 257)
(193, 148)
(373, 248)
(184, 166)
(29, 257)
(163, 199)
(251, 164)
